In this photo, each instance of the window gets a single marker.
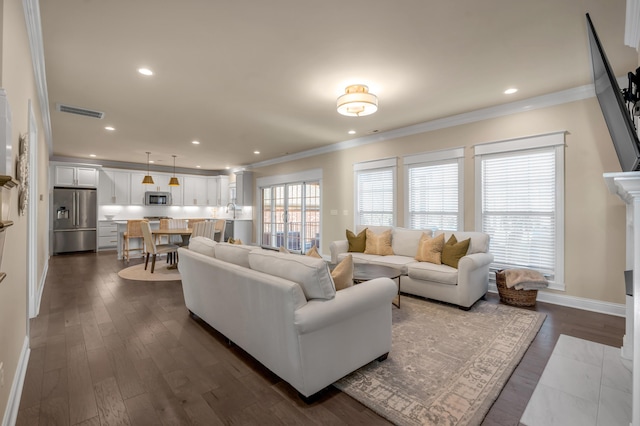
(375, 183)
(290, 212)
(434, 190)
(520, 205)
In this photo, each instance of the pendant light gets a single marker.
(148, 180)
(174, 180)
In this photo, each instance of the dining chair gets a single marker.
(198, 229)
(153, 249)
(196, 220)
(133, 232)
(177, 224)
(219, 226)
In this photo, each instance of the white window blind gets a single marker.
(433, 191)
(519, 208)
(375, 195)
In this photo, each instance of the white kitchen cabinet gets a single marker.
(107, 234)
(218, 190)
(138, 188)
(195, 191)
(114, 187)
(75, 176)
(244, 188)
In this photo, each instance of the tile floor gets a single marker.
(584, 383)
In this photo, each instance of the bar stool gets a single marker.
(133, 232)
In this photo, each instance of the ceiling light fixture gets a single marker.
(148, 180)
(357, 101)
(145, 71)
(510, 91)
(195, 143)
(174, 180)
(92, 155)
(352, 132)
(256, 152)
(110, 128)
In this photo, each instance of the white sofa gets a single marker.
(462, 286)
(305, 332)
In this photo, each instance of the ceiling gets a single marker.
(242, 76)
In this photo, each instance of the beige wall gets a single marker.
(594, 219)
(17, 79)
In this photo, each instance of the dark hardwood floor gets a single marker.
(108, 351)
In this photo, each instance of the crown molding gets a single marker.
(539, 102)
(34, 32)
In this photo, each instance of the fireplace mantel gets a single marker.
(627, 186)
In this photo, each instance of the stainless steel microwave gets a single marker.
(152, 198)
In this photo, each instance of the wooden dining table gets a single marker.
(185, 233)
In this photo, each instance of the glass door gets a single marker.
(291, 216)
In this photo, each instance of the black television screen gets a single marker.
(613, 106)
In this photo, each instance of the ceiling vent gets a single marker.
(79, 111)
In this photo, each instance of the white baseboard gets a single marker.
(13, 405)
(43, 279)
(616, 309)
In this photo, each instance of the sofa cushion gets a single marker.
(342, 274)
(357, 242)
(203, 245)
(431, 272)
(453, 251)
(310, 273)
(404, 242)
(378, 243)
(233, 253)
(430, 249)
(479, 240)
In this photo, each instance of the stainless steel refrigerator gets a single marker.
(74, 220)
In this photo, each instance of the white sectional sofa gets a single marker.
(462, 286)
(284, 311)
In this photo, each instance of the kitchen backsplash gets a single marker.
(176, 212)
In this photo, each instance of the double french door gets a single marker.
(291, 216)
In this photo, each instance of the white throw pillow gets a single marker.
(311, 273)
(203, 245)
(236, 254)
(404, 242)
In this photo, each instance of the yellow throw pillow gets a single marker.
(430, 249)
(232, 241)
(357, 242)
(453, 251)
(342, 274)
(313, 252)
(379, 244)
(283, 250)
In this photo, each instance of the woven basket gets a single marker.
(514, 297)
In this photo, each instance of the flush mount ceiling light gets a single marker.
(148, 180)
(174, 180)
(357, 101)
(145, 71)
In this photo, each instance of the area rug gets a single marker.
(160, 273)
(446, 366)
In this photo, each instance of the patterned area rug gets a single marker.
(160, 273)
(446, 366)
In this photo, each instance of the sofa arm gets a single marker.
(347, 303)
(475, 261)
(337, 247)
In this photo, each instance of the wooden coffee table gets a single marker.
(366, 271)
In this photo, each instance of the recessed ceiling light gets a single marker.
(352, 132)
(256, 152)
(198, 167)
(111, 129)
(92, 155)
(510, 91)
(227, 167)
(151, 161)
(195, 142)
(145, 71)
